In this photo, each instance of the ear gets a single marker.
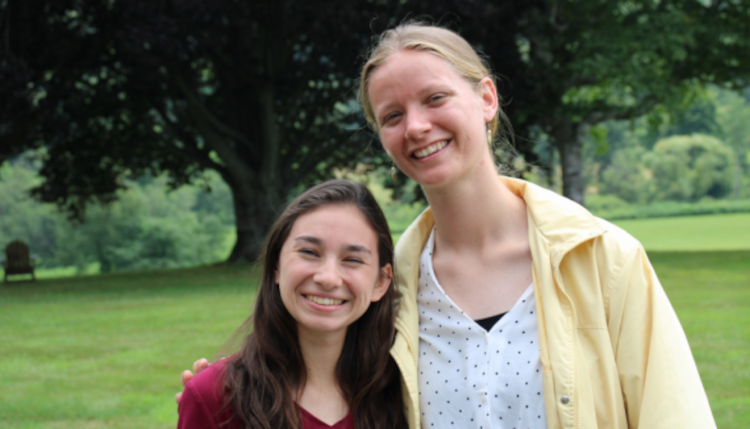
(276, 275)
(384, 282)
(489, 99)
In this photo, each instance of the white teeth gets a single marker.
(324, 301)
(430, 149)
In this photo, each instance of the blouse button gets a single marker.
(564, 399)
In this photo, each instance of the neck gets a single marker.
(471, 213)
(321, 352)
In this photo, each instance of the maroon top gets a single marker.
(202, 400)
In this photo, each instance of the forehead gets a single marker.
(410, 71)
(335, 224)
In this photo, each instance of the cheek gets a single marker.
(389, 139)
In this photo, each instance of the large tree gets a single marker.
(261, 92)
(253, 90)
(592, 61)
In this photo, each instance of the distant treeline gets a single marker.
(613, 208)
(148, 227)
(702, 155)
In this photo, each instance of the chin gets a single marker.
(434, 179)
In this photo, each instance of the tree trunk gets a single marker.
(568, 137)
(256, 203)
(254, 213)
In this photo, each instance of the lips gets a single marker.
(324, 301)
(429, 150)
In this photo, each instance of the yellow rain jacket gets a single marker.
(613, 352)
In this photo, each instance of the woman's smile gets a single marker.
(324, 301)
(429, 150)
(430, 119)
(328, 270)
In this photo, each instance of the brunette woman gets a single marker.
(323, 326)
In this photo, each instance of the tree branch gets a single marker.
(200, 109)
(196, 154)
(617, 114)
(236, 167)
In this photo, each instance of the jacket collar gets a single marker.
(562, 222)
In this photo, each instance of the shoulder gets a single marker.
(209, 381)
(617, 241)
(203, 398)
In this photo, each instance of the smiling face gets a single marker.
(328, 271)
(431, 120)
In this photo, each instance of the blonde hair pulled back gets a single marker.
(438, 41)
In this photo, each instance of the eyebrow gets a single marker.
(311, 240)
(318, 242)
(355, 248)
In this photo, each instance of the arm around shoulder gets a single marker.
(193, 411)
(202, 403)
(658, 375)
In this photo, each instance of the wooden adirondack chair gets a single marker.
(18, 260)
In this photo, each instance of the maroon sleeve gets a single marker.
(202, 401)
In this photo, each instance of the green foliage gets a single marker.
(606, 203)
(148, 227)
(690, 167)
(626, 176)
(625, 169)
(23, 218)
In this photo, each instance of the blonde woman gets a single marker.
(519, 308)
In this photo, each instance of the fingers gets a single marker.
(200, 365)
(185, 377)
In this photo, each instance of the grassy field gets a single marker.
(692, 233)
(106, 351)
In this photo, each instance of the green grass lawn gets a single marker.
(106, 351)
(692, 233)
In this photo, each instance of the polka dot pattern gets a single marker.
(469, 377)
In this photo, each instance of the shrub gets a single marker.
(687, 168)
(670, 209)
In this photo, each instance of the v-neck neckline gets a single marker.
(311, 416)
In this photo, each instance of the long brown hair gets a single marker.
(262, 380)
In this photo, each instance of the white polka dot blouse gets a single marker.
(472, 378)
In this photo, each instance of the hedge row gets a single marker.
(673, 208)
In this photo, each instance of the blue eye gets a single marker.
(390, 117)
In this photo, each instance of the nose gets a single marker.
(417, 124)
(328, 274)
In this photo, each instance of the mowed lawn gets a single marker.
(692, 233)
(106, 351)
